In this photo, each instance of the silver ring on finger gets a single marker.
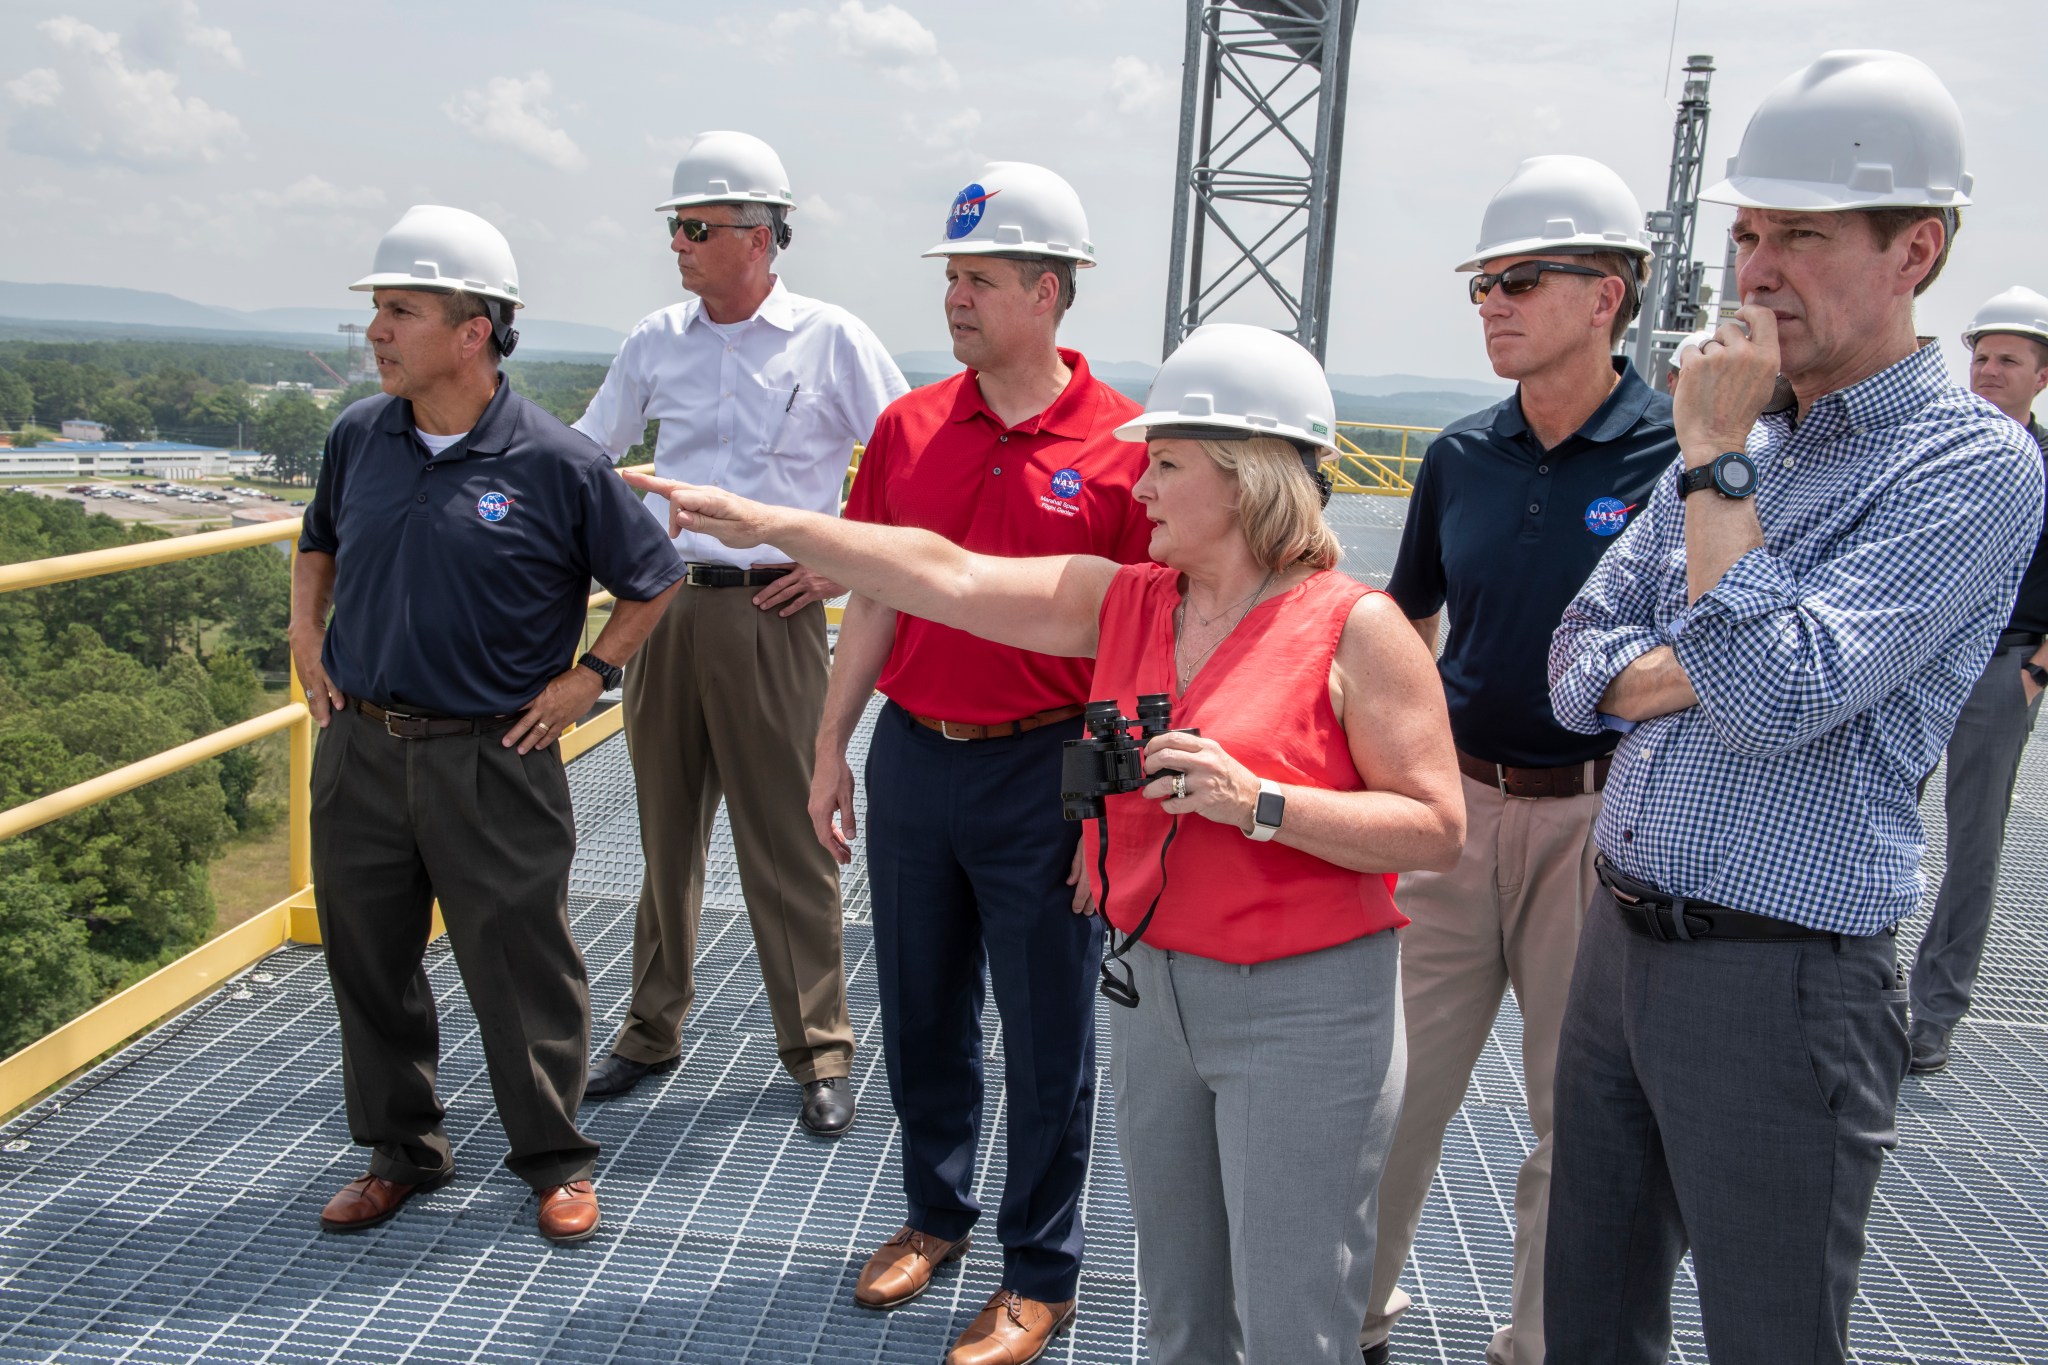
(1180, 786)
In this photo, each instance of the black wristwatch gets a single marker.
(1732, 475)
(612, 674)
(2037, 673)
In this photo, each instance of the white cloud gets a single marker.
(509, 112)
(606, 228)
(39, 87)
(93, 105)
(1139, 87)
(947, 134)
(888, 38)
(815, 210)
(164, 32)
(309, 194)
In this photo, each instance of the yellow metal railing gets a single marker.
(51, 1058)
(1363, 471)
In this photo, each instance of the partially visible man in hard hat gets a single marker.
(2008, 341)
(1512, 509)
(1786, 636)
(454, 534)
(974, 873)
(763, 392)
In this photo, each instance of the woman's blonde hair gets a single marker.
(1279, 507)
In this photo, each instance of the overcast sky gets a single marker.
(250, 154)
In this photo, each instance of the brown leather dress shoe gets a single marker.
(568, 1213)
(369, 1200)
(1011, 1330)
(902, 1266)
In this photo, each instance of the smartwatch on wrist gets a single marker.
(1732, 475)
(2037, 673)
(612, 674)
(1267, 811)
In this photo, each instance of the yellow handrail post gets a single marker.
(299, 781)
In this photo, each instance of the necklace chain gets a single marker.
(1186, 672)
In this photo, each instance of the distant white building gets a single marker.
(78, 429)
(127, 459)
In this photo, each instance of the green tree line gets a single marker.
(218, 395)
(94, 675)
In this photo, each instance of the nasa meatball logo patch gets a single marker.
(966, 212)
(1062, 488)
(493, 506)
(1606, 516)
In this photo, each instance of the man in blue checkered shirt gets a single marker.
(1786, 636)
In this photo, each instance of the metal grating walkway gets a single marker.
(164, 1208)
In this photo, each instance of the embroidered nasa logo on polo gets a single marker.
(966, 212)
(1067, 483)
(1606, 516)
(493, 506)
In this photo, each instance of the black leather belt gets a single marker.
(2019, 639)
(406, 725)
(1674, 919)
(699, 575)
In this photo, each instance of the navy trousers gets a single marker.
(967, 862)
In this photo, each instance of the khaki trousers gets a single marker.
(724, 699)
(1507, 914)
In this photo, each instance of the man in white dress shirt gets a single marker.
(765, 393)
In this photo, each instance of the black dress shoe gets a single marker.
(828, 1106)
(616, 1075)
(1379, 1353)
(1930, 1047)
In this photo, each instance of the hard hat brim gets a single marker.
(1976, 334)
(1136, 428)
(685, 201)
(1014, 250)
(1548, 246)
(1807, 196)
(426, 286)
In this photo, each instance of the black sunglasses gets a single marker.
(697, 230)
(1523, 276)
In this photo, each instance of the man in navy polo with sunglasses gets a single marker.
(1512, 509)
(766, 393)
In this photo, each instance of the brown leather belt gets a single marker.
(1528, 784)
(1002, 729)
(700, 575)
(403, 725)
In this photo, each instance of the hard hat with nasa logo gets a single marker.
(1560, 205)
(448, 251)
(1014, 208)
(1855, 130)
(1231, 379)
(2018, 310)
(728, 168)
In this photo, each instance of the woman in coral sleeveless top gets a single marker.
(1258, 1068)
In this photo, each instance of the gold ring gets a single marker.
(540, 725)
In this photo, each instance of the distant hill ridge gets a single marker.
(91, 311)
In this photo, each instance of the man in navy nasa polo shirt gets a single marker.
(1513, 508)
(454, 534)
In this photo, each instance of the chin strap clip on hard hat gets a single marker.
(1325, 485)
(502, 331)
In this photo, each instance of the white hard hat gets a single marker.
(1559, 205)
(728, 168)
(1228, 377)
(446, 250)
(1855, 130)
(1689, 346)
(1014, 208)
(2019, 309)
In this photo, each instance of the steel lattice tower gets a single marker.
(1672, 299)
(1261, 139)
